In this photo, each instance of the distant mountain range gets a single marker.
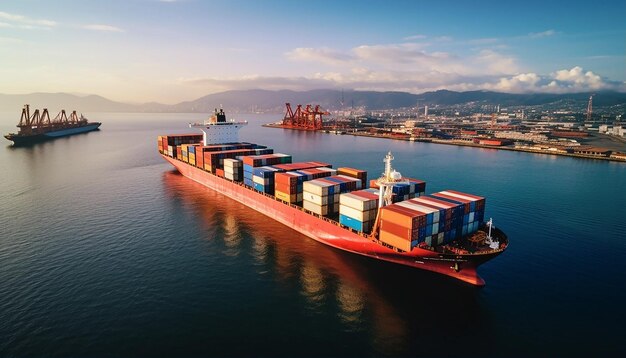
(274, 101)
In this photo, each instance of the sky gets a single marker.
(175, 50)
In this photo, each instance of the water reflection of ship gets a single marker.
(366, 296)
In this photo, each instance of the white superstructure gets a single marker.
(387, 181)
(217, 130)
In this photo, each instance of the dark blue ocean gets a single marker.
(106, 251)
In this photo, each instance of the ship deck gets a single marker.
(460, 265)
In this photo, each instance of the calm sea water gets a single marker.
(106, 251)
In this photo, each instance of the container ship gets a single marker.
(39, 127)
(390, 218)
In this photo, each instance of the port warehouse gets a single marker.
(341, 195)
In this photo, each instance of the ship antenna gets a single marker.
(387, 160)
(385, 188)
(386, 182)
(494, 244)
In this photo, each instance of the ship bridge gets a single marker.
(217, 129)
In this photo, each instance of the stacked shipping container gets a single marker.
(289, 185)
(434, 219)
(169, 143)
(473, 209)
(358, 209)
(233, 169)
(214, 160)
(258, 172)
(410, 189)
(355, 173)
(413, 219)
(321, 196)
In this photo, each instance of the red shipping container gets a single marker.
(466, 203)
(199, 160)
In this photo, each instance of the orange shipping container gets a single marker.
(399, 231)
(286, 188)
(403, 216)
(286, 178)
(394, 240)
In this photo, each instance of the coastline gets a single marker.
(466, 144)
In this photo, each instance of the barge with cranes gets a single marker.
(38, 127)
(393, 220)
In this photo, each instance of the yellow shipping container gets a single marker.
(286, 197)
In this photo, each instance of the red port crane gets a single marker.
(308, 118)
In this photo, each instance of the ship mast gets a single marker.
(494, 244)
(385, 183)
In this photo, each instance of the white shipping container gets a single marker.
(262, 181)
(317, 187)
(316, 199)
(232, 176)
(421, 208)
(318, 209)
(458, 195)
(361, 216)
(232, 163)
(357, 202)
(329, 170)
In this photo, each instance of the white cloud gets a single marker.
(24, 22)
(257, 81)
(9, 40)
(576, 77)
(412, 67)
(101, 27)
(519, 83)
(483, 41)
(561, 81)
(415, 37)
(360, 78)
(546, 33)
(409, 56)
(495, 63)
(323, 55)
(404, 53)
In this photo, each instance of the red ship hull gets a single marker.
(326, 231)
